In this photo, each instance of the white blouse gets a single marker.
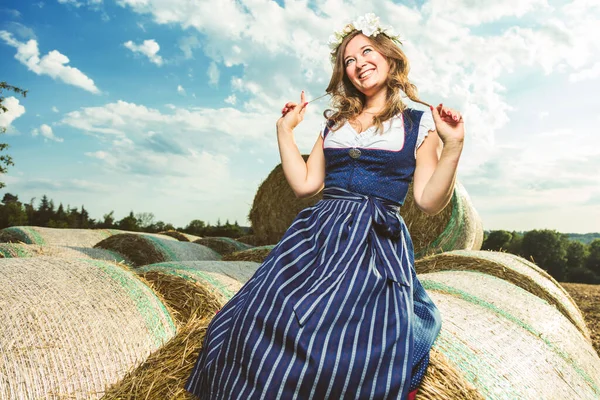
(391, 139)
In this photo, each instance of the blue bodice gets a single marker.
(374, 172)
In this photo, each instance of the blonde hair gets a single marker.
(348, 102)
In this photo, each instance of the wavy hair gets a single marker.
(348, 102)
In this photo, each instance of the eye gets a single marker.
(367, 50)
(348, 61)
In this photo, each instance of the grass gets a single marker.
(587, 298)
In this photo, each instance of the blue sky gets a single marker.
(170, 107)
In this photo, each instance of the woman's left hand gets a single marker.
(449, 124)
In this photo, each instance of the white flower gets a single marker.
(368, 24)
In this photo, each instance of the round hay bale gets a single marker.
(145, 249)
(275, 206)
(508, 342)
(223, 245)
(457, 226)
(513, 269)
(197, 288)
(181, 236)
(156, 235)
(165, 372)
(53, 236)
(256, 254)
(20, 250)
(72, 327)
(249, 239)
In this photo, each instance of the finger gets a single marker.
(303, 109)
(302, 97)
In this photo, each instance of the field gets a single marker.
(587, 298)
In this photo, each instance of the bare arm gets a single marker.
(435, 173)
(305, 178)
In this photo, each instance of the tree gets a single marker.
(497, 240)
(145, 219)
(593, 259)
(129, 223)
(548, 251)
(108, 221)
(5, 159)
(576, 254)
(195, 227)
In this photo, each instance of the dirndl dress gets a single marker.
(336, 310)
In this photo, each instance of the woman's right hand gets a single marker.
(292, 114)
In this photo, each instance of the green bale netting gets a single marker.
(198, 288)
(146, 249)
(509, 343)
(20, 250)
(53, 236)
(513, 269)
(72, 327)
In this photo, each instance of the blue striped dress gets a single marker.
(336, 310)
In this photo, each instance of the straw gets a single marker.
(256, 254)
(53, 236)
(72, 327)
(507, 352)
(512, 269)
(223, 245)
(145, 249)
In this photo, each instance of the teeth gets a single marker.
(365, 74)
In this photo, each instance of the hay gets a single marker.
(275, 206)
(509, 343)
(145, 249)
(444, 381)
(53, 236)
(458, 226)
(223, 245)
(513, 269)
(256, 254)
(20, 250)
(249, 239)
(72, 327)
(181, 236)
(197, 288)
(155, 235)
(165, 372)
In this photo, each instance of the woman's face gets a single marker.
(366, 68)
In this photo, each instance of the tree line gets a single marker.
(16, 213)
(566, 260)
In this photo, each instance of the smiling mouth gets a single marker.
(366, 74)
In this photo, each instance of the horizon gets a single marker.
(171, 108)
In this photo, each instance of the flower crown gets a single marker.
(368, 24)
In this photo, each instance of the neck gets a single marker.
(376, 102)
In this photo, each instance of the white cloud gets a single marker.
(149, 48)
(213, 74)
(53, 64)
(231, 99)
(55, 109)
(180, 90)
(187, 44)
(46, 131)
(15, 110)
(543, 114)
(586, 74)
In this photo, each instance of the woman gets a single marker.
(336, 310)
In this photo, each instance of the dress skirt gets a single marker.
(334, 312)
